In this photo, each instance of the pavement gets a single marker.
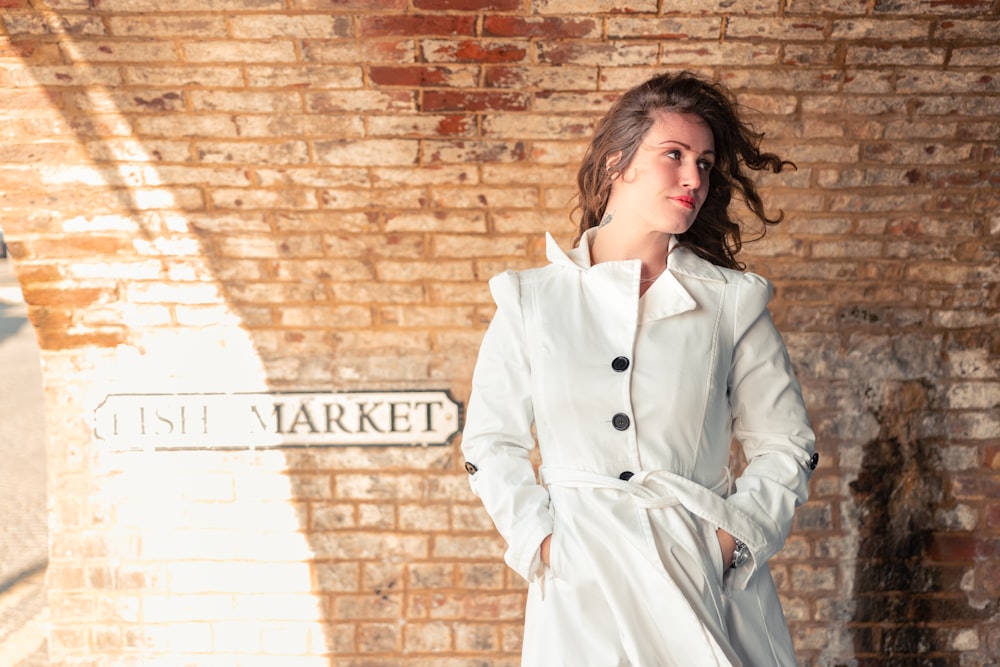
(23, 516)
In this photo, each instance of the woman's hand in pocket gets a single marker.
(727, 543)
(546, 545)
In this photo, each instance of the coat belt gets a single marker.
(651, 488)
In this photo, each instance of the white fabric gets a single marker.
(636, 572)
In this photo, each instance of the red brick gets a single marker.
(47, 317)
(947, 547)
(418, 75)
(454, 125)
(19, 48)
(473, 151)
(64, 296)
(989, 578)
(436, 100)
(981, 485)
(394, 52)
(520, 26)
(933, 7)
(414, 25)
(504, 77)
(41, 273)
(567, 79)
(993, 457)
(599, 53)
(474, 51)
(79, 245)
(988, 548)
(384, 100)
(468, 5)
(348, 5)
(34, 99)
(62, 340)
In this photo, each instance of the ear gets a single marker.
(611, 161)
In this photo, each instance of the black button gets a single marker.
(620, 421)
(626, 476)
(471, 469)
(619, 364)
(813, 461)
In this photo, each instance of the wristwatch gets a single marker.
(741, 554)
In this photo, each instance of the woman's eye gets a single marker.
(703, 164)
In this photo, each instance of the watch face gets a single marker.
(741, 555)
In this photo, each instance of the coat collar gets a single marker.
(666, 297)
(681, 260)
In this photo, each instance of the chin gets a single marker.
(679, 229)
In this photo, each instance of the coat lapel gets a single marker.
(668, 296)
(576, 258)
(665, 298)
(612, 288)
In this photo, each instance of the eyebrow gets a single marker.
(684, 145)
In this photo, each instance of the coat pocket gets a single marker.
(714, 548)
(554, 568)
(696, 537)
(708, 546)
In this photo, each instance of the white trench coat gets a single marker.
(656, 386)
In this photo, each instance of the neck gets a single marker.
(651, 249)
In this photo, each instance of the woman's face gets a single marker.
(666, 183)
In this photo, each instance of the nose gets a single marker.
(691, 176)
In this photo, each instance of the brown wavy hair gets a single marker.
(715, 235)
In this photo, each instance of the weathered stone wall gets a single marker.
(307, 195)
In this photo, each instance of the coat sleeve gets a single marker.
(769, 422)
(497, 438)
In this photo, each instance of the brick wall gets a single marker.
(262, 195)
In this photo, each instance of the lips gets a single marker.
(685, 201)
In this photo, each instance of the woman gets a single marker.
(637, 357)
